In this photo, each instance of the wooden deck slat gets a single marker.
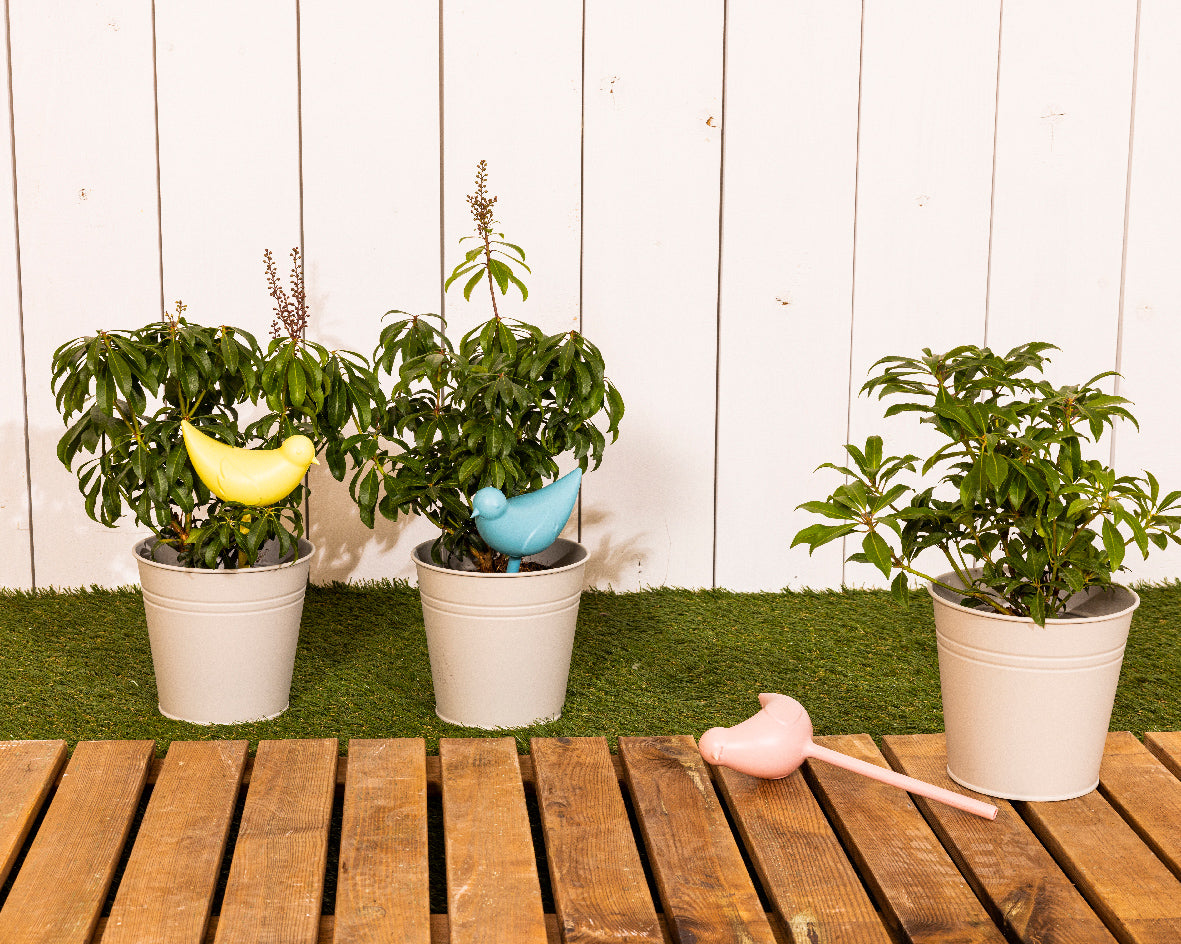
(27, 771)
(1003, 861)
(382, 889)
(915, 882)
(59, 892)
(1146, 794)
(600, 895)
(1128, 886)
(799, 860)
(705, 888)
(493, 890)
(276, 877)
(167, 888)
(1166, 747)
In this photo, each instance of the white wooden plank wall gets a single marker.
(744, 212)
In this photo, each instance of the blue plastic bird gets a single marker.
(528, 523)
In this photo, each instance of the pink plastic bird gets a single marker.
(774, 743)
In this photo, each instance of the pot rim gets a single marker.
(304, 545)
(421, 558)
(938, 597)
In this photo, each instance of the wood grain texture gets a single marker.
(277, 871)
(370, 224)
(1146, 794)
(16, 560)
(382, 891)
(27, 771)
(705, 889)
(89, 236)
(59, 891)
(803, 869)
(913, 879)
(167, 887)
(1011, 872)
(927, 112)
(1166, 747)
(598, 879)
(786, 284)
(1132, 890)
(1149, 320)
(493, 891)
(650, 215)
(1064, 107)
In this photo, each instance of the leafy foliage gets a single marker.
(130, 389)
(496, 409)
(1025, 506)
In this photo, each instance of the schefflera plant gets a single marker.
(498, 408)
(1018, 498)
(123, 394)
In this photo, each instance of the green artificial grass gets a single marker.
(76, 665)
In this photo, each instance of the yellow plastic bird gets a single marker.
(249, 476)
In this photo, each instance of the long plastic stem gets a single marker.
(894, 779)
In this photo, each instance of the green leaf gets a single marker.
(878, 552)
(1113, 543)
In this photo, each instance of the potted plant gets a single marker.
(223, 582)
(1030, 626)
(495, 410)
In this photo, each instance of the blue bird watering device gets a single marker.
(528, 523)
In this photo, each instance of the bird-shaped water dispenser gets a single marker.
(528, 523)
(253, 477)
(774, 742)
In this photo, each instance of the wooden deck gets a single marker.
(568, 843)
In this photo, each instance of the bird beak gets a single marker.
(475, 512)
(315, 461)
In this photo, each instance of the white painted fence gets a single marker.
(744, 204)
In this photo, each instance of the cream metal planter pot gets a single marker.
(500, 644)
(1027, 708)
(223, 641)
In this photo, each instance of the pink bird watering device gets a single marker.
(774, 743)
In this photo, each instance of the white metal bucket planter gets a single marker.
(1027, 708)
(223, 641)
(500, 644)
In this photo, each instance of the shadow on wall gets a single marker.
(614, 563)
(346, 550)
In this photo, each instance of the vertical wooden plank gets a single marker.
(27, 771)
(512, 88)
(382, 892)
(600, 895)
(651, 193)
(913, 879)
(493, 892)
(277, 872)
(812, 886)
(59, 891)
(706, 891)
(168, 884)
(16, 555)
(1151, 319)
(89, 238)
(1130, 888)
(370, 116)
(924, 186)
(229, 155)
(1010, 871)
(1063, 111)
(789, 179)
